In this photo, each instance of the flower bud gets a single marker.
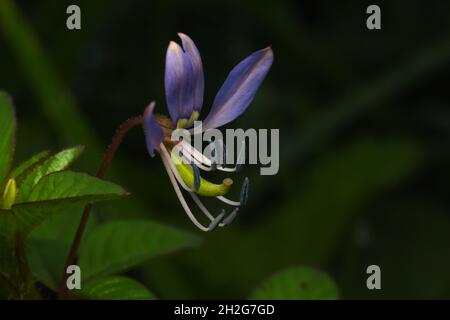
(9, 195)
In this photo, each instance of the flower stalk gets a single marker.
(109, 155)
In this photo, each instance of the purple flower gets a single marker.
(184, 88)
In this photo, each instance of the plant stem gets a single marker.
(109, 155)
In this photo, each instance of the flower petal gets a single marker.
(179, 83)
(239, 88)
(153, 132)
(199, 80)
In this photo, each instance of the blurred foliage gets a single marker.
(113, 288)
(363, 115)
(297, 283)
(36, 190)
(36, 211)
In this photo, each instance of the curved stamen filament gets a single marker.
(224, 169)
(189, 159)
(174, 178)
(228, 201)
(221, 198)
(202, 207)
(216, 221)
(178, 181)
(190, 154)
(189, 149)
(230, 218)
(183, 202)
(166, 156)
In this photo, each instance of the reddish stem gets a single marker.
(109, 155)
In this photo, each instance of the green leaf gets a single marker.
(297, 284)
(62, 227)
(119, 245)
(55, 163)
(58, 191)
(7, 135)
(49, 244)
(115, 288)
(69, 184)
(55, 192)
(46, 258)
(29, 164)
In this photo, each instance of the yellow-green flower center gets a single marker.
(182, 123)
(206, 188)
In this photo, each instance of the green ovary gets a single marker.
(207, 189)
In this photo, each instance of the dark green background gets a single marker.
(364, 120)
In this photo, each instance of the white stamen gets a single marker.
(203, 162)
(166, 156)
(228, 201)
(188, 158)
(175, 177)
(205, 167)
(230, 218)
(190, 151)
(181, 198)
(216, 221)
(201, 206)
(224, 169)
(187, 147)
